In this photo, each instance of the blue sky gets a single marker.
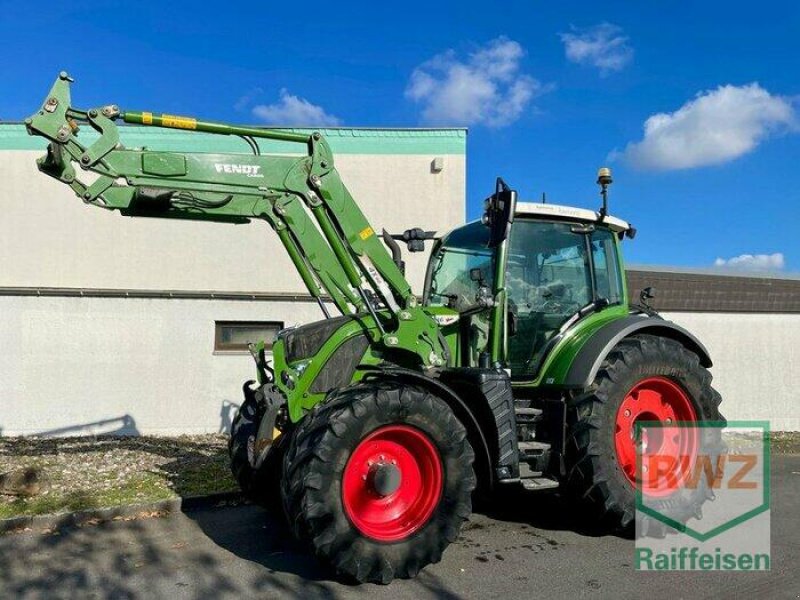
(550, 92)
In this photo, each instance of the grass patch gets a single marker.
(104, 472)
(785, 442)
(202, 479)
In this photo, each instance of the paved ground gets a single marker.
(530, 549)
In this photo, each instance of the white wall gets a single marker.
(147, 365)
(49, 238)
(73, 365)
(756, 363)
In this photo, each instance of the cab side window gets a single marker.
(608, 282)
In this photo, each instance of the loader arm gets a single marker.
(328, 238)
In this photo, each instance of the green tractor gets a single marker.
(522, 363)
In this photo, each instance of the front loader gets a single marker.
(523, 363)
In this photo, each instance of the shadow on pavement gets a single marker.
(264, 539)
(225, 551)
(150, 558)
(548, 511)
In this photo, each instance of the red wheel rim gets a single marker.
(661, 400)
(392, 483)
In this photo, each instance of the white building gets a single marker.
(750, 324)
(112, 324)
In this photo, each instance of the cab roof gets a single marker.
(557, 211)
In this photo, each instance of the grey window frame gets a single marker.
(221, 347)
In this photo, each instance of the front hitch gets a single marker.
(273, 417)
(263, 370)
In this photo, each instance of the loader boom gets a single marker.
(329, 240)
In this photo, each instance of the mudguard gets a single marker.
(587, 362)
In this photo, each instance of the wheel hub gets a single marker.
(665, 404)
(385, 478)
(392, 483)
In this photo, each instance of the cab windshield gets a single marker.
(459, 267)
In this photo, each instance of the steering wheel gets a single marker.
(561, 306)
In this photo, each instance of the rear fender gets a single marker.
(587, 361)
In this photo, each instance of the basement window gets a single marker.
(234, 336)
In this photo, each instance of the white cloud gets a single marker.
(603, 46)
(715, 127)
(485, 88)
(752, 262)
(291, 110)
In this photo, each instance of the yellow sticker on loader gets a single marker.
(178, 122)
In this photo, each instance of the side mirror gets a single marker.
(499, 213)
(646, 294)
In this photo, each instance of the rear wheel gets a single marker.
(378, 480)
(644, 379)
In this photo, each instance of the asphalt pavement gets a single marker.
(528, 546)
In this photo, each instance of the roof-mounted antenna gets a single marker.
(544, 198)
(604, 180)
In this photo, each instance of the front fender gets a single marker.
(587, 361)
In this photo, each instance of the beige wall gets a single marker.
(149, 364)
(756, 362)
(74, 366)
(49, 238)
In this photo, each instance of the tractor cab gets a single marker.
(554, 265)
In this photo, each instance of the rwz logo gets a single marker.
(248, 170)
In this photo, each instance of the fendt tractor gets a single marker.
(522, 364)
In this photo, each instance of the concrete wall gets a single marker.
(756, 362)
(86, 365)
(49, 238)
(76, 366)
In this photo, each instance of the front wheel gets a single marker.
(378, 480)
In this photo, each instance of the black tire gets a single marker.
(260, 485)
(318, 455)
(594, 474)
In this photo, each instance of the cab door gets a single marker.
(553, 271)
